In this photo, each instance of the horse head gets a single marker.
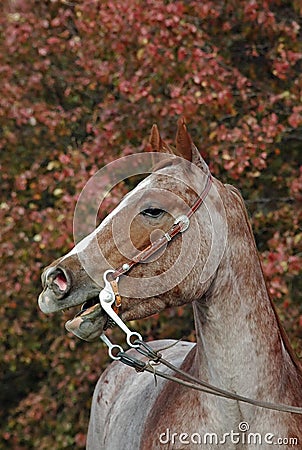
(177, 274)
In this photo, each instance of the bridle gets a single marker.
(180, 225)
(111, 301)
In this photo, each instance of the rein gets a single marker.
(110, 301)
(189, 381)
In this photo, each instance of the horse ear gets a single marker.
(155, 139)
(184, 142)
(185, 147)
(156, 142)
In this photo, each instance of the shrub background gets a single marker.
(81, 84)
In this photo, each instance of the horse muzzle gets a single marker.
(61, 294)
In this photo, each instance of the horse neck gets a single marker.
(240, 345)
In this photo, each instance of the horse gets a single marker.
(211, 263)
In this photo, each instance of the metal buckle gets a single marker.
(184, 220)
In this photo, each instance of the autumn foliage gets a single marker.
(81, 84)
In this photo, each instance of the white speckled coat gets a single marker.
(240, 344)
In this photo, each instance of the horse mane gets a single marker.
(298, 364)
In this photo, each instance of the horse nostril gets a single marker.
(58, 280)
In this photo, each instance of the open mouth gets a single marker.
(89, 323)
(89, 307)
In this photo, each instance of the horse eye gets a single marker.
(153, 212)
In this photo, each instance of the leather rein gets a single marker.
(110, 301)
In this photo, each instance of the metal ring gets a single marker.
(115, 346)
(130, 335)
(107, 273)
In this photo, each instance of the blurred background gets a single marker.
(82, 82)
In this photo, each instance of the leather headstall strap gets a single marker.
(118, 299)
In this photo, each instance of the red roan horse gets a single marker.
(241, 346)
